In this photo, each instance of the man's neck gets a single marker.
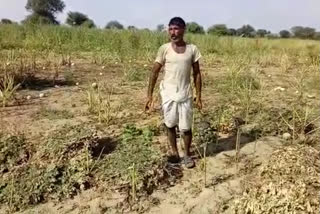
(179, 43)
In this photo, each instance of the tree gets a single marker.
(131, 27)
(45, 6)
(309, 32)
(317, 36)
(193, 27)
(261, 32)
(37, 19)
(285, 34)
(76, 18)
(114, 25)
(6, 21)
(303, 32)
(219, 30)
(232, 32)
(88, 24)
(44, 11)
(160, 27)
(246, 31)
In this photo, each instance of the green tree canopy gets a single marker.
(43, 11)
(285, 34)
(246, 31)
(317, 36)
(88, 24)
(232, 31)
(77, 19)
(114, 25)
(219, 30)
(193, 27)
(6, 21)
(38, 19)
(262, 32)
(45, 6)
(303, 32)
(131, 27)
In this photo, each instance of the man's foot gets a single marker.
(173, 159)
(188, 162)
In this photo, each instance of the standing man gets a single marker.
(178, 59)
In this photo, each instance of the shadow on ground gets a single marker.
(224, 144)
(104, 147)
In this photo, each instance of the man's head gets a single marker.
(176, 29)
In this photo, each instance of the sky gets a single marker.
(274, 15)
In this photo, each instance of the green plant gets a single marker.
(13, 149)
(133, 182)
(133, 160)
(300, 121)
(59, 168)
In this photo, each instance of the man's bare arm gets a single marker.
(153, 78)
(197, 78)
(152, 82)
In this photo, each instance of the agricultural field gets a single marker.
(74, 136)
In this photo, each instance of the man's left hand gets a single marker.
(199, 103)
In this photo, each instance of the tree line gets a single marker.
(249, 31)
(45, 11)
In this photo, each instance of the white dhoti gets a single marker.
(178, 114)
(176, 106)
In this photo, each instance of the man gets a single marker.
(177, 58)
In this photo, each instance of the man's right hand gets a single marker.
(148, 104)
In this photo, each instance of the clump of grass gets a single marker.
(313, 55)
(240, 87)
(300, 121)
(8, 88)
(134, 73)
(100, 106)
(285, 63)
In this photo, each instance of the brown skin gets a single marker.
(176, 34)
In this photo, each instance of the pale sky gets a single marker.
(274, 15)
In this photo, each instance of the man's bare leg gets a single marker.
(187, 138)
(172, 136)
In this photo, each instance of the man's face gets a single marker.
(176, 33)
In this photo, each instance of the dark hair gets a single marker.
(177, 21)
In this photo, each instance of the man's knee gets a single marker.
(187, 132)
(170, 128)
